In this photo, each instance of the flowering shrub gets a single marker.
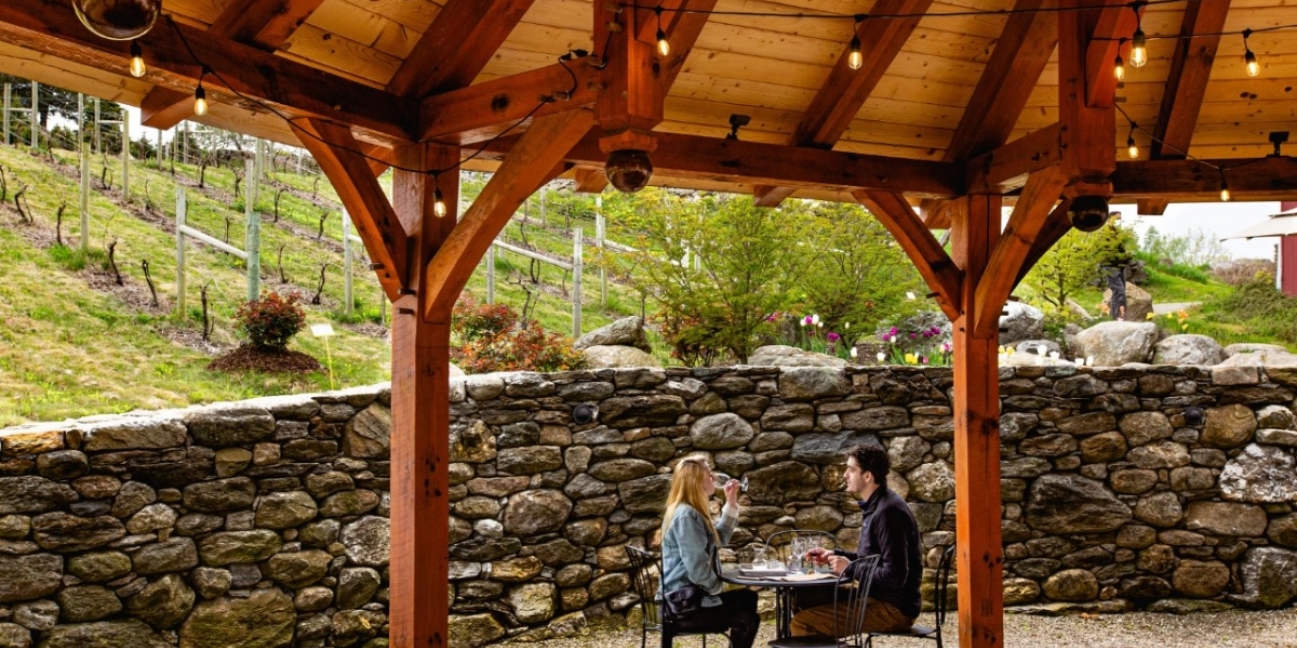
(492, 341)
(473, 321)
(915, 347)
(271, 321)
(1172, 323)
(809, 333)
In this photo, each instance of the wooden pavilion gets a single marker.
(959, 106)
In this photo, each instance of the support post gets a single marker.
(253, 246)
(346, 263)
(35, 116)
(976, 402)
(180, 251)
(420, 514)
(98, 144)
(490, 274)
(84, 206)
(577, 264)
(126, 157)
(600, 231)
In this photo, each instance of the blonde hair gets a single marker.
(687, 487)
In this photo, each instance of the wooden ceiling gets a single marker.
(920, 107)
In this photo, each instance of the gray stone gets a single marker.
(1271, 436)
(1112, 344)
(368, 435)
(906, 452)
(1014, 426)
(1081, 386)
(1048, 445)
(31, 494)
(212, 583)
(1229, 426)
(932, 482)
(1260, 474)
(320, 533)
(299, 569)
(720, 432)
(1187, 606)
(151, 518)
(196, 524)
(474, 630)
(876, 418)
(132, 497)
(783, 482)
(644, 495)
(1268, 576)
(1024, 467)
(627, 331)
(641, 411)
(1275, 416)
(174, 555)
(230, 425)
(313, 599)
(472, 442)
(1283, 531)
(83, 603)
(536, 511)
(1133, 481)
(37, 615)
(794, 417)
(1143, 427)
(620, 470)
(232, 461)
(347, 503)
(1102, 448)
(1225, 518)
(1160, 509)
(99, 567)
(1020, 321)
(351, 627)
(1075, 585)
(13, 635)
(265, 619)
(533, 602)
(827, 449)
(780, 355)
(1162, 454)
(130, 633)
(805, 383)
(285, 510)
(1073, 504)
(1198, 579)
(62, 465)
(321, 485)
(1088, 423)
(164, 602)
(67, 533)
(131, 433)
(221, 495)
(238, 547)
(1188, 349)
(601, 356)
(357, 586)
(529, 460)
(367, 541)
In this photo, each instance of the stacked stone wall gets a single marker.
(265, 522)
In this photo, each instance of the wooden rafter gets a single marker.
(845, 91)
(683, 33)
(1186, 85)
(630, 101)
(1025, 224)
(51, 27)
(735, 161)
(1105, 29)
(338, 154)
(932, 262)
(460, 42)
(1005, 169)
(1268, 178)
(1056, 226)
(483, 110)
(591, 181)
(535, 160)
(1086, 113)
(266, 24)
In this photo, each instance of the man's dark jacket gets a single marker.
(890, 530)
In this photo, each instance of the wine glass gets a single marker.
(722, 479)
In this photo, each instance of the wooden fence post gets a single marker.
(577, 263)
(126, 157)
(180, 251)
(253, 246)
(346, 262)
(85, 196)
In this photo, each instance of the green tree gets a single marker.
(1076, 260)
(717, 266)
(854, 272)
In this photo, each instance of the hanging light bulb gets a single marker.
(1132, 148)
(200, 100)
(118, 19)
(1224, 187)
(137, 61)
(856, 59)
(1138, 49)
(1249, 59)
(438, 201)
(1119, 68)
(664, 48)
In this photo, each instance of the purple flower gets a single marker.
(912, 336)
(833, 337)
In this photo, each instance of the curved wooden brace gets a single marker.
(1056, 226)
(338, 154)
(1028, 219)
(934, 265)
(535, 160)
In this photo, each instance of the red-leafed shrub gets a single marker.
(473, 321)
(490, 340)
(271, 321)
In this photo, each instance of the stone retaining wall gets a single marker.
(265, 522)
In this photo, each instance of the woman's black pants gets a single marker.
(737, 613)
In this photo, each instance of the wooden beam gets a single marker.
(934, 265)
(632, 95)
(533, 162)
(1151, 206)
(591, 181)
(1056, 226)
(460, 42)
(1268, 178)
(716, 159)
(1186, 85)
(1025, 224)
(265, 24)
(52, 28)
(336, 151)
(1103, 32)
(683, 34)
(484, 110)
(976, 402)
(841, 95)
(1006, 168)
(1088, 122)
(421, 413)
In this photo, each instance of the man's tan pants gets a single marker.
(879, 617)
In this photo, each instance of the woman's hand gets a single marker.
(732, 492)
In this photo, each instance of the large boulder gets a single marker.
(627, 331)
(129, 633)
(602, 356)
(264, 619)
(1113, 344)
(1255, 348)
(29, 577)
(1019, 321)
(1139, 304)
(780, 355)
(1260, 474)
(1073, 504)
(1188, 349)
(1268, 576)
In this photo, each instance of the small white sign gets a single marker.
(322, 330)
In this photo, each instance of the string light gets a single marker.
(1224, 187)
(137, 60)
(200, 95)
(1249, 59)
(1131, 147)
(664, 48)
(438, 201)
(856, 60)
(1119, 65)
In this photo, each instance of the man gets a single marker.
(888, 530)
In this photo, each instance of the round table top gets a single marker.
(732, 575)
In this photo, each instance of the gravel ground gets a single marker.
(1235, 629)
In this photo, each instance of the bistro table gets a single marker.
(783, 591)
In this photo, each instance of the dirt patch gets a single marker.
(369, 329)
(250, 358)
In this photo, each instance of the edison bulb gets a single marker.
(664, 48)
(1253, 68)
(137, 61)
(856, 59)
(200, 101)
(1138, 51)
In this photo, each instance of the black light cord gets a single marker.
(1136, 4)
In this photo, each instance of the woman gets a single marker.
(689, 545)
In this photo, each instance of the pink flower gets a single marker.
(833, 337)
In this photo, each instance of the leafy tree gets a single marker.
(1076, 260)
(1196, 248)
(63, 104)
(717, 266)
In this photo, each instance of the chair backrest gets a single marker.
(855, 598)
(643, 564)
(943, 585)
(778, 544)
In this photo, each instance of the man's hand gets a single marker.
(819, 555)
(732, 492)
(838, 564)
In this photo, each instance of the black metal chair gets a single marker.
(852, 596)
(932, 632)
(643, 566)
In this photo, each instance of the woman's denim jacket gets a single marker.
(688, 548)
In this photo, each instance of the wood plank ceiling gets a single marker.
(772, 69)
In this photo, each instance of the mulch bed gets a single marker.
(250, 358)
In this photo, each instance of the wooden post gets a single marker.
(180, 251)
(577, 264)
(35, 139)
(253, 246)
(601, 231)
(98, 144)
(85, 196)
(126, 157)
(976, 401)
(420, 558)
